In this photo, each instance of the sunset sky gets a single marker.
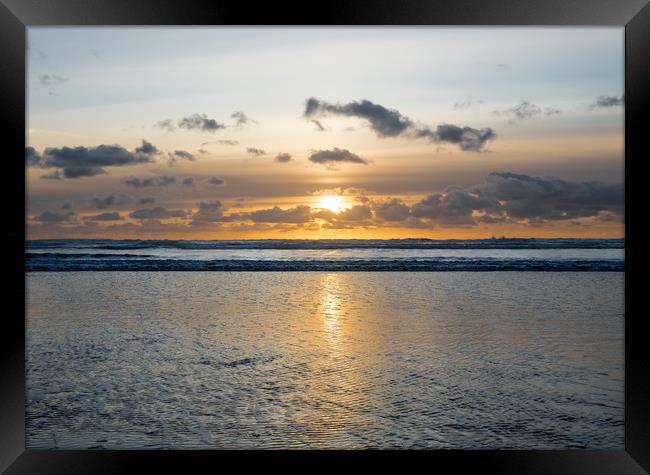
(248, 133)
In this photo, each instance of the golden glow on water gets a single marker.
(331, 309)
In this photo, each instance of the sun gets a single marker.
(331, 202)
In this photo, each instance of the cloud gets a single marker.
(466, 104)
(241, 119)
(343, 191)
(200, 122)
(147, 200)
(102, 203)
(520, 198)
(355, 213)
(67, 205)
(52, 79)
(453, 207)
(77, 162)
(384, 122)
(608, 101)
(149, 182)
(208, 212)
(147, 148)
(139, 183)
(320, 127)
(184, 154)
(467, 138)
(522, 111)
(550, 198)
(114, 216)
(230, 143)
(55, 175)
(552, 111)
(283, 157)
(391, 123)
(335, 156)
(33, 158)
(166, 125)
(257, 152)
(55, 217)
(392, 210)
(215, 180)
(180, 155)
(189, 181)
(157, 213)
(299, 214)
(166, 180)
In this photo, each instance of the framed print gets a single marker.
(259, 233)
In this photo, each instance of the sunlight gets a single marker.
(331, 202)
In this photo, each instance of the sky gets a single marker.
(320, 132)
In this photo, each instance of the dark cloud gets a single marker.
(51, 79)
(55, 217)
(209, 212)
(299, 214)
(147, 148)
(392, 210)
(337, 155)
(200, 122)
(104, 217)
(139, 183)
(147, 200)
(33, 158)
(67, 205)
(283, 157)
(608, 101)
(77, 162)
(320, 127)
(180, 155)
(241, 119)
(454, 207)
(384, 122)
(552, 111)
(257, 152)
(391, 123)
(184, 155)
(467, 138)
(166, 180)
(516, 198)
(527, 197)
(157, 213)
(215, 180)
(103, 203)
(55, 175)
(189, 181)
(149, 182)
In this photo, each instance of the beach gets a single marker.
(325, 360)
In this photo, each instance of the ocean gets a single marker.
(499, 343)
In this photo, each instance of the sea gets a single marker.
(332, 344)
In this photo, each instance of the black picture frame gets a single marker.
(633, 15)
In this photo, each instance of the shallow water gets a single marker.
(325, 360)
